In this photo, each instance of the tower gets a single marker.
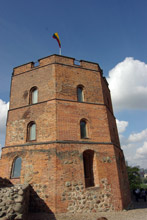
(62, 138)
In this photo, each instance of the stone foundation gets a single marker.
(92, 199)
(14, 202)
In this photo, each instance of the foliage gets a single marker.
(144, 180)
(134, 177)
(143, 186)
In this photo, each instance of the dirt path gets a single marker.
(137, 212)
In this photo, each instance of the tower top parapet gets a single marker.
(56, 59)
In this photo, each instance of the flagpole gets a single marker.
(59, 50)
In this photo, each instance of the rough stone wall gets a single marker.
(4, 182)
(70, 170)
(14, 202)
(94, 199)
(40, 199)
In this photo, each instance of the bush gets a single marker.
(134, 177)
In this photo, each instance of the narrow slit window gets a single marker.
(31, 131)
(88, 157)
(80, 94)
(34, 95)
(16, 169)
(83, 129)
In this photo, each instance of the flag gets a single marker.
(56, 36)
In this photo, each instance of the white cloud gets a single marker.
(128, 84)
(135, 148)
(138, 136)
(3, 115)
(121, 125)
(142, 151)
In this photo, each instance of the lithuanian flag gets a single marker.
(56, 36)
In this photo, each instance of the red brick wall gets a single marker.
(44, 115)
(42, 78)
(69, 77)
(56, 173)
(53, 163)
(69, 115)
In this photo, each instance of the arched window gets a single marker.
(16, 168)
(83, 128)
(80, 93)
(31, 131)
(88, 157)
(33, 95)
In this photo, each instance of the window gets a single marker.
(83, 129)
(80, 94)
(16, 168)
(33, 95)
(31, 131)
(88, 157)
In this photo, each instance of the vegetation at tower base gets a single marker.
(62, 139)
(144, 182)
(134, 177)
(137, 177)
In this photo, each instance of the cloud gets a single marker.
(121, 125)
(142, 151)
(3, 115)
(135, 148)
(134, 139)
(138, 136)
(128, 84)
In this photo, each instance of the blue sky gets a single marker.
(111, 33)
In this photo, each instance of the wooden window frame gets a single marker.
(31, 95)
(30, 124)
(12, 176)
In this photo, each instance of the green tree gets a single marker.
(134, 177)
(144, 180)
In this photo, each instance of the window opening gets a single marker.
(31, 131)
(16, 170)
(88, 157)
(80, 94)
(77, 62)
(36, 63)
(83, 129)
(34, 95)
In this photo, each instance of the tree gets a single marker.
(144, 180)
(134, 177)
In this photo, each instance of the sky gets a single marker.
(111, 33)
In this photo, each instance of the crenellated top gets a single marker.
(56, 59)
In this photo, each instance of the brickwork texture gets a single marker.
(61, 177)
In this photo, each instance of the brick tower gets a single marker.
(62, 138)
